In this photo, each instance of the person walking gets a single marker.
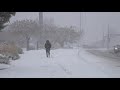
(47, 47)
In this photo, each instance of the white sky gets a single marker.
(94, 23)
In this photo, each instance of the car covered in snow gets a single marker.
(117, 49)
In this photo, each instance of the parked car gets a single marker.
(117, 49)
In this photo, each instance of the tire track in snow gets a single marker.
(3, 68)
(62, 67)
(92, 63)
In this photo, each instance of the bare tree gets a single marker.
(25, 28)
(29, 29)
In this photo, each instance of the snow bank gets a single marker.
(4, 66)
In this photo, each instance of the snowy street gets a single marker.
(64, 63)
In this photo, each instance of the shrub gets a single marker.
(20, 51)
(4, 59)
(10, 50)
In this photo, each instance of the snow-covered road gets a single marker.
(64, 63)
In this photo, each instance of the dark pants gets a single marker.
(48, 52)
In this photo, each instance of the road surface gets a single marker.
(64, 63)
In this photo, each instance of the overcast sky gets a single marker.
(60, 18)
(94, 23)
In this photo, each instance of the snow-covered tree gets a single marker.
(25, 28)
(30, 29)
(5, 17)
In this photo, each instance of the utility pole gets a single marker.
(80, 34)
(103, 38)
(80, 21)
(108, 37)
(41, 18)
(80, 24)
(41, 26)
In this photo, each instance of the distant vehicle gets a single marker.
(117, 49)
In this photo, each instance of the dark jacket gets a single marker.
(47, 45)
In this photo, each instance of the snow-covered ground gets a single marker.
(64, 63)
